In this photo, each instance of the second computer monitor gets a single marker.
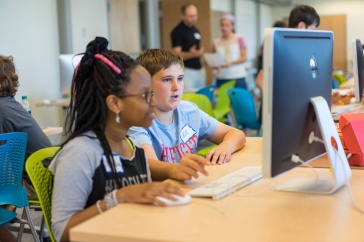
(358, 69)
(297, 67)
(67, 64)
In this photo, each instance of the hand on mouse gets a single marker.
(181, 200)
(147, 193)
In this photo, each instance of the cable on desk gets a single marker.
(296, 158)
(269, 187)
(231, 190)
(348, 184)
(212, 205)
(222, 210)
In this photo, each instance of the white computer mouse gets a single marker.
(181, 200)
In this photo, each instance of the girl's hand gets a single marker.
(147, 193)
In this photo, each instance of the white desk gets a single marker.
(49, 131)
(269, 216)
(54, 134)
(64, 103)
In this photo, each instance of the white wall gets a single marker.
(354, 16)
(265, 21)
(221, 5)
(246, 25)
(89, 18)
(29, 33)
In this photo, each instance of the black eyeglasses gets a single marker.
(148, 95)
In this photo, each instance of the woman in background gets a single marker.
(233, 48)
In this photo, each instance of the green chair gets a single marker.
(340, 78)
(42, 180)
(201, 101)
(222, 107)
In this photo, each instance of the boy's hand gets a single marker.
(189, 167)
(218, 155)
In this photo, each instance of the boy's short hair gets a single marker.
(303, 13)
(155, 60)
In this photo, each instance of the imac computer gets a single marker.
(68, 63)
(358, 69)
(297, 123)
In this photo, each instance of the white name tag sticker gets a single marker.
(187, 133)
(197, 36)
(118, 164)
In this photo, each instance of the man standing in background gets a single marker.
(186, 41)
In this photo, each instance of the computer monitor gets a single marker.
(358, 69)
(68, 63)
(297, 67)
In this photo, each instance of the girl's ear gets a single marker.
(114, 103)
(301, 25)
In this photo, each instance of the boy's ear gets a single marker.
(301, 25)
(114, 103)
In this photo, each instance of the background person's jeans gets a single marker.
(240, 82)
(194, 78)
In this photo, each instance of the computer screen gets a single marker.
(68, 63)
(297, 67)
(358, 69)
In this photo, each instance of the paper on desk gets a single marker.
(214, 59)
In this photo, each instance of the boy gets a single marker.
(178, 126)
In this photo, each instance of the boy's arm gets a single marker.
(188, 167)
(229, 139)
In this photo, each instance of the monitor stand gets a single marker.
(338, 161)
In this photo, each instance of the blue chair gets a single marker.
(208, 91)
(6, 216)
(12, 152)
(243, 109)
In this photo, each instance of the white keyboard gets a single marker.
(229, 183)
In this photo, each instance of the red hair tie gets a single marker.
(108, 62)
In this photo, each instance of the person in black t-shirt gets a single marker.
(186, 41)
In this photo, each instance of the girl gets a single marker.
(99, 166)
